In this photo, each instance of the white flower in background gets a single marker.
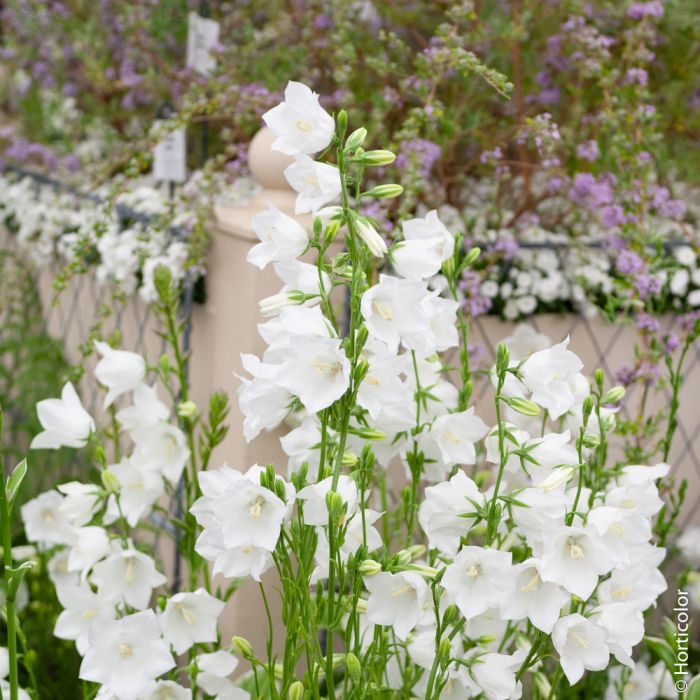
(302, 446)
(264, 405)
(547, 375)
(300, 124)
(58, 570)
(442, 323)
(633, 684)
(316, 370)
(65, 422)
(45, 522)
(382, 385)
(190, 618)
(494, 675)
(162, 449)
(624, 624)
(393, 310)
(426, 245)
(213, 676)
(641, 584)
(532, 597)
(127, 575)
(581, 646)
(91, 544)
(146, 412)
(317, 184)
(314, 498)
(80, 502)
(444, 512)
(477, 579)
(81, 606)
(281, 237)
(541, 514)
(396, 600)
(455, 435)
(126, 655)
(169, 690)
(550, 452)
(574, 557)
(119, 371)
(689, 544)
(139, 489)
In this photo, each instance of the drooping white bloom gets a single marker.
(80, 502)
(45, 522)
(146, 412)
(455, 435)
(396, 600)
(300, 124)
(316, 370)
(574, 557)
(689, 544)
(317, 184)
(190, 618)
(541, 514)
(624, 625)
(169, 690)
(442, 512)
(126, 655)
(58, 570)
(393, 311)
(213, 676)
(547, 375)
(382, 385)
(139, 490)
(581, 646)
(620, 529)
(163, 449)
(264, 405)
(81, 605)
(525, 341)
(494, 675)
(127, 575)
(65, 422)
(427, 244)
(477, 579)
(281, 237)
(641, 584)
(531, 597)
(314, 498)
(91, 544)
(118, 370)
(635, 684)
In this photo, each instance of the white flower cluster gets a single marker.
(104, 580)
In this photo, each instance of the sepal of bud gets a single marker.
(384, 191)
(523, 406)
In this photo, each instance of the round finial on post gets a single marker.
(267, 166)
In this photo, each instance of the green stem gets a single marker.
(503, 458)
(5, 510)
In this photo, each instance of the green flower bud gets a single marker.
(599, 378)
(369, 567)
(591, 441)
(445, 651)
(613, 395)
(502, 358)
(384, 191)
(187, 409)
(164, 363)
(371, 434)
(335, 504)
(110, 481)
(356, 139)
(377, 158)
(403, 557)
(587, 408)
(352, 663)
(450, 616)
(416, 550)
(524, 406)
(542, 684)
(341, 123)
(242, 647)
(472, 256)
(349, 460)
(296, 691)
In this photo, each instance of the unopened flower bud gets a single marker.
(331, 231)
(369, 235)
(384, 191)
(164, 362)
(472, 256)
(369, 567)
(524, 406)
(587, 408)
(371, 434)
(361, 606)
(591, 441)
(450, 615)
(542, 684)
(296, 691)
(377, 158)
(341, 122)
(502, 358)
(599, 378)
(349, 460)
(242, 647)
(187, 409)
(403, 557)
(352, 663)
(110, 481)
(445, 651)
(613, 395)
(416, 550)
(557, 478)
(269, 306)
(335, 504)
(356, 139)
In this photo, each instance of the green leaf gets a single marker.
(662, 649)
(15, 480)
(693, 692)
(16, 576)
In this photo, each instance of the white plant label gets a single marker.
(202, 36)
(169, 157)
